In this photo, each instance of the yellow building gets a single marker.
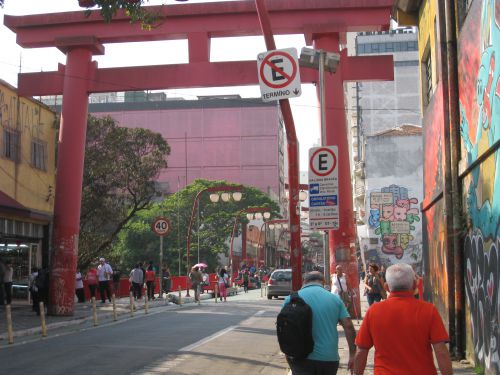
(27, 180)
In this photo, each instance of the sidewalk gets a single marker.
(25, 322)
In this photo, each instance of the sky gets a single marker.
(13, 59)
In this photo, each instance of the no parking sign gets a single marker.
(279, 74)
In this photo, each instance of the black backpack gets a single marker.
(294, 328)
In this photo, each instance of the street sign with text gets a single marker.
(323, 188)
(279, 74)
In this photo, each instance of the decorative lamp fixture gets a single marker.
(287, 194)
(250, 216)
(277, 226)
(258, 215)
(285, 226)
(267, 215)
(225, 197)
(214, 197)
(237, 196)
(271, 226)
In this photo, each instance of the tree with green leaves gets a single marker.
(121, 165)
(138, 242)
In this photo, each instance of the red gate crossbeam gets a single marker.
(193, 75)
(217, 19)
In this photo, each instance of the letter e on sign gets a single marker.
(161, 226)
(323, 161)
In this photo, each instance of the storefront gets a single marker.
(23, 241)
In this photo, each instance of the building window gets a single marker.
(427, 88)
(11, 144)
(39, 154)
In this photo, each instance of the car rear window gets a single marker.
(282, 276)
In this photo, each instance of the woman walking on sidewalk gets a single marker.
(223, 283)
(374, 285)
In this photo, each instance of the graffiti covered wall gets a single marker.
(479, 91)
(393, 168)
(394, 218)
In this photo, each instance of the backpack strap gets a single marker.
(294, 296)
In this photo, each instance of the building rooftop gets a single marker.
(403, 130)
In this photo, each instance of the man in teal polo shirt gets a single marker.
(328, 310)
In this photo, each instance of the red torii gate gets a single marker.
(322, 22)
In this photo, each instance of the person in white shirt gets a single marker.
(340, 286)
(104, 273)
(79, 287)
(137, 280)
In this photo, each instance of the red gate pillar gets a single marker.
(341, 241)
(71, 152)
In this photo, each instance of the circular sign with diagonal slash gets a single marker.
(279, 74)
(278, 69)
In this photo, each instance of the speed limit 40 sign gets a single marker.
(161, 226)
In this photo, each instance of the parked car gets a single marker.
(280, 283)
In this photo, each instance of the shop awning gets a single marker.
(10, 206)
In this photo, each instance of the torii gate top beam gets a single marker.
(216, 19)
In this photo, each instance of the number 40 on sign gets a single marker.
(161, 226)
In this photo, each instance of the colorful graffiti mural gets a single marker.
(479, 87)
(483, 297)
(392, 216)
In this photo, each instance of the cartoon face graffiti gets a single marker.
(390, 245)
(388, 212)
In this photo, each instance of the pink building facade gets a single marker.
(238, 140)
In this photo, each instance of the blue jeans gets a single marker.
(373, 297)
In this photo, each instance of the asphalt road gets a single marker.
(236, 337)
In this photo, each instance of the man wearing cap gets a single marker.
(104, 273)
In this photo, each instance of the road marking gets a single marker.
(162, 366)
(207, 339)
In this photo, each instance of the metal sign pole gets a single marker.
(160, 272)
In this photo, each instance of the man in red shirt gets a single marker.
(403, 330)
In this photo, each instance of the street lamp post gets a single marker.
(260, 212)
(270, 224)
(284, 231)
(214, 197)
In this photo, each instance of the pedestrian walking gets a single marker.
(373, 285)
(7, 281)
(223, 283)
(104, 273)
(340, 286)
(2, 289)
(196, 280)
(42, 283)
(166, 281)
(117, 275)
(150, 281)
(403, 330)
(34, 291)
(137, 280)
(246, 279)
(327, 312)
(92, 280)
(79, 291)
